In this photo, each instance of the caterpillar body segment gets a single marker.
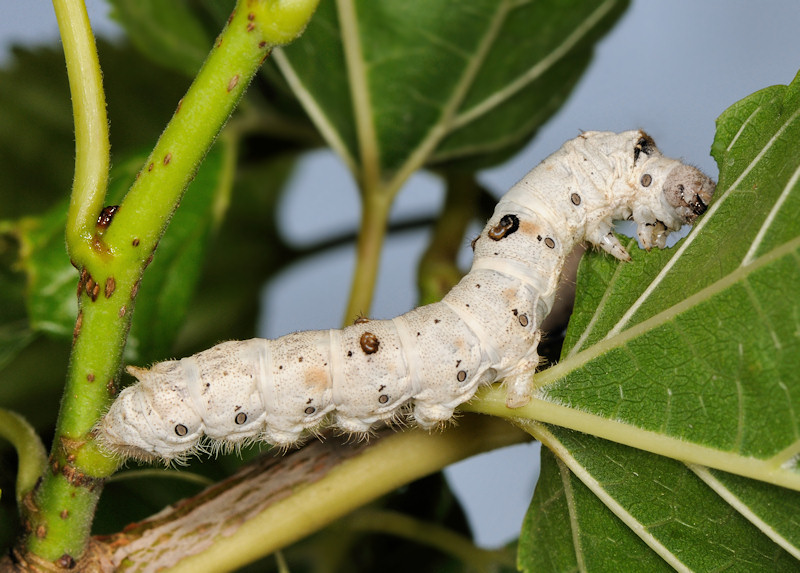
(428, 361)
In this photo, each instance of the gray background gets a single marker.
(668, 67)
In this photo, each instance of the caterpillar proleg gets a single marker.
(433, 357)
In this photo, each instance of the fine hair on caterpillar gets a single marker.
(423, 364)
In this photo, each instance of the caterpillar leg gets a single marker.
(519, 388)
(432, 415)
(652, 234)
(604, 238)
(519, 383)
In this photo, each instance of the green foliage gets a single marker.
(698, 345)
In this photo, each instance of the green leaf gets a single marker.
(433, 80)
(169, 283)
(169, 33)
(692, 353)
(568, 528)
(618, 511)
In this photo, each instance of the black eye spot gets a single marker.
(369, 343)
(575, 198)
(550, 243)
(645, 145)
(523, 320)
(383, 398)
(646, 180)
(462, 375)
(240, 418)
(181, 430)
(310, 410)
(507, 225)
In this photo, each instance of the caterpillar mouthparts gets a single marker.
(433, 357)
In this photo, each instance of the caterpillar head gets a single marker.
(688, 191)
(142, 422)
(665, 193)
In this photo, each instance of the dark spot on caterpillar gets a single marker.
(41, 532)
(300, 359)
(436, 321)
(208, 384)
(349, 353)
(167, 158)
(550, 243)
(111, 388)
(575, 198)
(240, 418)
(90, 377)
(180, 103)
(538, 237)
(310, 410)
(645, 145)
(383, 398)
(64, 514)
(262, 44)
(111, 286)
(418, 334)
(251, 27)
(251, 16)
(507, 225)
(477, 286)
(106, 215)
(461, 376)
(135, 242)
(458, 363)
(181, 430)
(234, 81)
(150, 167)
(361, 320)
(382, 386)
(280, 367)
(523, 319)
(369, 343)
(646, 180)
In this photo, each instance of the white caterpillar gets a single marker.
(435, 356)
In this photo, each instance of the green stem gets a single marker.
(431, 534)
(394, 461)
(374, 219)
(113, 258)
(30, 450)
(92, 146)
(438, 268)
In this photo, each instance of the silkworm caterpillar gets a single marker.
(433, 357)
